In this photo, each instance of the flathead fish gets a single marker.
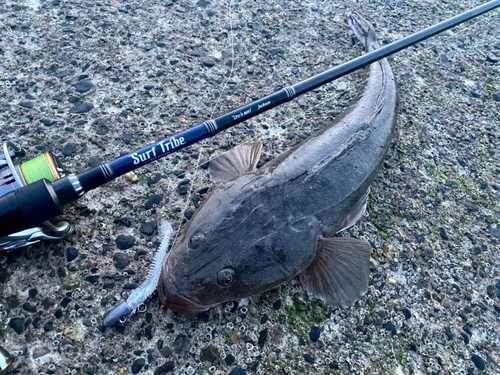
(262, 227)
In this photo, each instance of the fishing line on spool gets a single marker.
(461, 30)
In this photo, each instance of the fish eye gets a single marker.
(225, 277)
(196, 240)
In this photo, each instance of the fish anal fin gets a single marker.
(233, 163)
(356, 213)
(339, 273)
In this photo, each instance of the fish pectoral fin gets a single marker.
(356, 213)
(339, 273)
(231, 164)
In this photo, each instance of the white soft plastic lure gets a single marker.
(140, 294)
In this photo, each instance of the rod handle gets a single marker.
(28, 207)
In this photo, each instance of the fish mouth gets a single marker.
(173, 300)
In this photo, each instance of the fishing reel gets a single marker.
(15, 176)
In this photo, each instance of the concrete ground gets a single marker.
(93, 80)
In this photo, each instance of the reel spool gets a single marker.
(15, 176)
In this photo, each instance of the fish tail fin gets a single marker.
(364, 31)
(339, 273)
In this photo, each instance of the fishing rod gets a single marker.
(36, 191)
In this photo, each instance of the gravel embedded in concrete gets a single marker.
(95, 80)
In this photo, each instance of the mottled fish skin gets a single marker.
(263, 227)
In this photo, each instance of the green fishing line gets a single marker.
(36, 169)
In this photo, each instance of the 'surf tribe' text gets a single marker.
(151, 154)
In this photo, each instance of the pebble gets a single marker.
(109, 286)
(291, 135)
(68, 149)
(209, 354)
(125, 221)
(148, 332)
(82, 108)
(13, 302)
(148, 228)
(203, 317)
(471, 207)
(229, 359)
(33, 293)
(165, 368)
(494, 231)
(40, 352)
(314, 333)
(71, 254)
(492, 58)
(92, 279)
(390, 327)
(263, 337)
(29, 307)
(27, 104)
(407, 313)
(208, 62)
(277, 51)
(61, 272)
(181, 344)
(478, 361)
(277, 304)
(124, 242)
(490, 290)
(154, 179)
(138, 365)
(309, 358)
(49, 326)
(443, 233)
(127, 137)
(189, 214)
(83, 86)
(153, 201)
(17, 324)
(420, 237)
(238, 371)
(121, 260)
(446, 62)
(449, 334)
(131, 177)
(264, 319)
(47, 122)
(95, 161)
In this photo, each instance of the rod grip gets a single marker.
(28, 207)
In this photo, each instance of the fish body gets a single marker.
(261, 227)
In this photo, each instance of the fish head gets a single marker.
(232, 249)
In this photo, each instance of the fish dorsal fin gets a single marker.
(231, 164)
(356, 213)
(339, 273)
